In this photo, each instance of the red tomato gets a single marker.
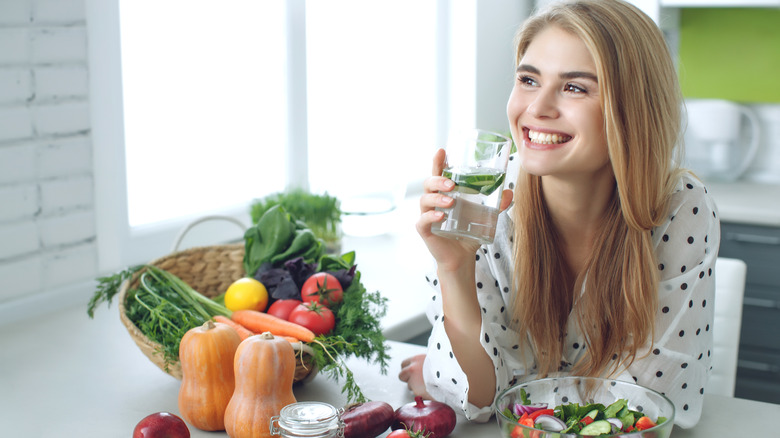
(319, 319)
(517, 432)
(282, 308)
(644, 423)
(322, 288)
(399, 433)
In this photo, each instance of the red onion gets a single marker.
(367, 420)
(430, 416)
(617, 425)
(520, 409)
(550, 423)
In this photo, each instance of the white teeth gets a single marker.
(546, 138)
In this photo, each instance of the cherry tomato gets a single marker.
(644, 423)
(322, 288)
(282, 308)
(315, 317)
(399, 433)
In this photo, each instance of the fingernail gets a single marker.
(449, 184)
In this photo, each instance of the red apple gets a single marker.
(161, 425)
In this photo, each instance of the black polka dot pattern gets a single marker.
(676, 365)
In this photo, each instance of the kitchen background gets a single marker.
(49, 252)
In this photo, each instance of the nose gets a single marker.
(543, 104)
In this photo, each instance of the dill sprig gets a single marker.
(162, 306)
(108, 287)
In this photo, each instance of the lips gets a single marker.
(547, 138)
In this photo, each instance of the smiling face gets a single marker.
(555, 111)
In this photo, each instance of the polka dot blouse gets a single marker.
(679, 361)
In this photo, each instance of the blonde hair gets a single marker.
(641, 103)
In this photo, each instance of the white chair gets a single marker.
(729, 292)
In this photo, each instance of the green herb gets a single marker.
(108, 287)
(163, 307)
(321, 213)
(524, 397)
(358, 330)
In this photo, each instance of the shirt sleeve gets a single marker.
(679, 361)
(444, 378)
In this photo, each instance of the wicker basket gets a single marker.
(209, 270)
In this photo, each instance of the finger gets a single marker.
(506, 199)
(438, 184)
(433, 200)
(439, 162)
(426, 220)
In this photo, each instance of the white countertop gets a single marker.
(65, 375)
(747, 202)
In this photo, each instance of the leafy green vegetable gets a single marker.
(278, 237)
(524, 397)
(612, 410)
(572, 414)
(321, 213)
(626, 416)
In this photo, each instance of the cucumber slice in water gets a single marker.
(475, 183)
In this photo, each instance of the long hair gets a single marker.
(641, 103)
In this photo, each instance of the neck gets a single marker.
(577, 206)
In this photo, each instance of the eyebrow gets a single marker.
(564, 75)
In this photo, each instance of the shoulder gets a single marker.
(690, 204)
(691, 232)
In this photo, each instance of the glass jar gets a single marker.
(308, 419)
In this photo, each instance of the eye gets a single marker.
(571, 88)
(527, 80)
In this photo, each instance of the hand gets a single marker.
(449, 253)
(411, 373)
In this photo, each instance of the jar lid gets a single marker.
(305, 418)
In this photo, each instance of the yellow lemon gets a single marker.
(246, 294)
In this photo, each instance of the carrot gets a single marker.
(243, 332)
(260, 322)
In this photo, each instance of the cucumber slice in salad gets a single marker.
(597, 428)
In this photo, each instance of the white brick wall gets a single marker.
(47, 218)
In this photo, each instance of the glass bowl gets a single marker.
(557, 391)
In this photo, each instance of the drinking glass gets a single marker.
(476, 163)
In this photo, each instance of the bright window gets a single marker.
(204, 106)
(372, 95)
(200, 107)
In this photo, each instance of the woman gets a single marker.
(603, 264)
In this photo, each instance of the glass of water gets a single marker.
(476, 163)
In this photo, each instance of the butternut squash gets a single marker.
(206, 355)
(264, 367)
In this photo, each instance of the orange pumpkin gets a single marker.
(264, 367)
(206, 355)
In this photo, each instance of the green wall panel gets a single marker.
(730, 53)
